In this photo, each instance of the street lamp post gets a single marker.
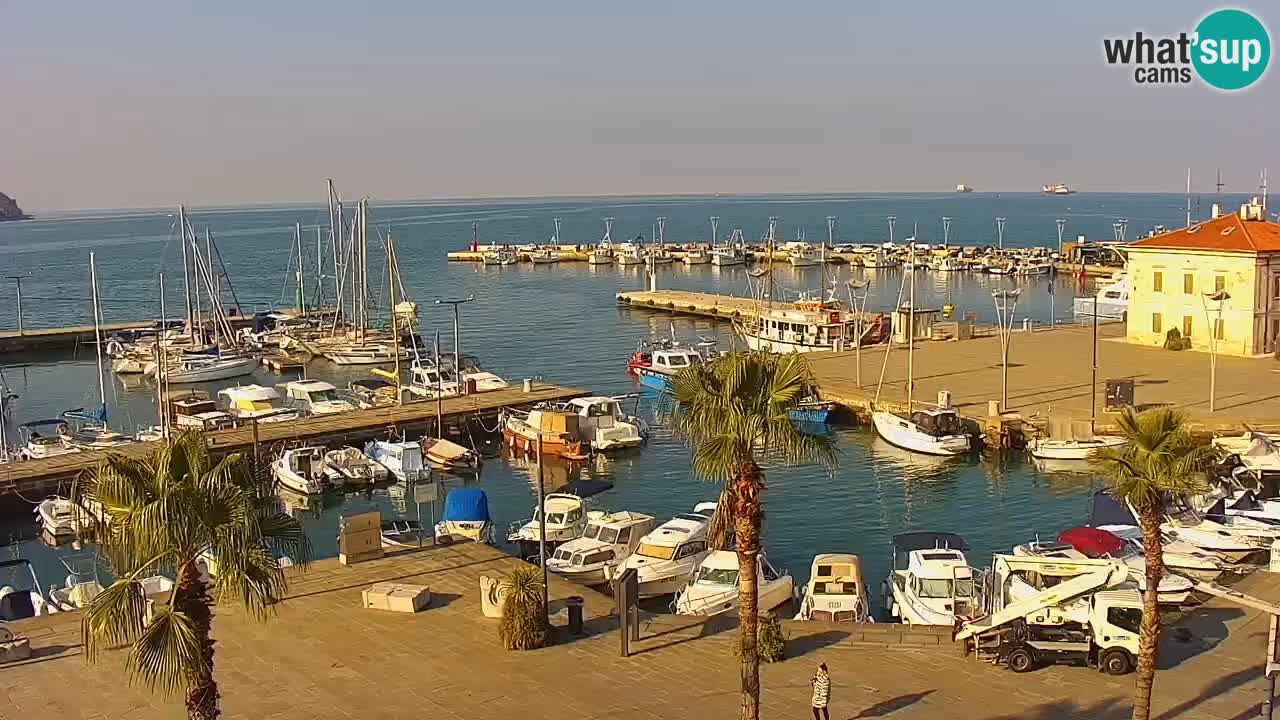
(1062, 224)
(457, 353)
(858, 291)
(1000, 232)
(892, 219)
(1220, 297)
(1006, 303)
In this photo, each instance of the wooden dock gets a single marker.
(683, 302)
(33, 479)
(61, 338)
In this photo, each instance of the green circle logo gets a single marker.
(1232, 49)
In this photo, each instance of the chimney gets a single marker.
(1217, 210)
(1252, 210)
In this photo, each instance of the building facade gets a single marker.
(1219, 279)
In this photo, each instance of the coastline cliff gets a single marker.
(9, 209)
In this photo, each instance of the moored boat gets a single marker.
(350, 467)
(836, 591)
(666, 558)
(302, 470)
(931, 582)
(466, 517)
(934, 431)
(714, 590)
(605, 543)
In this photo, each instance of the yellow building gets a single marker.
(1221, 276)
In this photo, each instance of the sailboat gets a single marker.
(937, 430)
(90, 429)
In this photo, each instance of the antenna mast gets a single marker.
(1188, 198)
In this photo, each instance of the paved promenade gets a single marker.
(322, 656)
(1049, 371)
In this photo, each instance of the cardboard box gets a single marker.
(355, 543)
(353, 558)
(397, 597)
(360, 522)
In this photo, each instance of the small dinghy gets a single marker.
(402, 533)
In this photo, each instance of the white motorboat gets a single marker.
(90, 431)
(946, 263)
(1188, 538)
(934, 431)
(1057, 189)
(629, 254)
(1179, 557)
(666, 558)
(402, 459)
(1110, 302)
(316, 397)
(656, 369)
(566, 518)
(402, 533)
(1258, 453)
(429, 380)
(1173, 589)
(373, 392)
(1033, 267)
(807, 326)
(20, 604)
(714, 590)
(203, 368)
(604, 544)
(697, 256)
(600, 256)
(544, 256)
(37, 444)
(804, 256)
(362, 353)
(727, 255)
(1073, 449)
(466, 517)
(1215, 538)
(58, 516)
(931, 582)
(604, 426)
(502, 256)
(450, 456)
(248, 403)
(301, 470)
(836, 591)
(877, 259)
(350, 467)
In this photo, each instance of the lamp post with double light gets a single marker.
(1220, 297)
(1006, 303)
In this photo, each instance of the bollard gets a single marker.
(528, 385)
(574, 604)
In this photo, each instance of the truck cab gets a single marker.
(1108, 640)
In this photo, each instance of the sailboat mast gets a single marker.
(186, 276)
(395, 324)
(335, 238)
(97, 335)
(773, 224)
(215, 294)
(302, 298)
(364, 267)
(911, 328)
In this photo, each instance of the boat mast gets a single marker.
(1188, 198)
(186, 276)
(302, 298)
(335, 238)
(1093, 379)
(319, 270)
(364, 268)
(395, 324)
(160, 404)
(215, 291)
(911, 326)
(97, 337)
(773, 224)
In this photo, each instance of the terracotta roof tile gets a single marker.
(1227, 233)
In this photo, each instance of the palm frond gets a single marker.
(1160, 458)
(115, 617)
(167, 655)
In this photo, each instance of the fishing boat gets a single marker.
(813, 411)
(402, 459)
(931, 582)
(544, 429)
(193, 410)
(806, 326)
(17, 603)
(402, 533)
(697, 256)
(931, 431)
(255, 403)
(661, 256)
(544, 256)
(565, 518)
(655, 368)
(603, 425)
(666, 559)
(878, 258)
(302, 470)
(349, 467)
(946, 263)
(466, 517)
(604, 544)
(804, 256)
(1034, 267)
(449, 456)
(836, 591)
(501, 256)
(629, 254)
(316, 397)
(1057, 189)
(727, 256)
(714, 590)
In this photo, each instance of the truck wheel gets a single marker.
(1115, 662)
(1021, 660)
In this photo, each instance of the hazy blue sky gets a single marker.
(130, 103)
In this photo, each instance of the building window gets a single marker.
(1275, 287)
(1157, 281)
(1189, 283)
(1217, 328)
(1219, 283)
(1186, 326)
(1156, 323)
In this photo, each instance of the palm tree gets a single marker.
(734, 413)
(1159, 459)
(161, 514)
(524, 618)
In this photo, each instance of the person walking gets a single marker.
(821, 693)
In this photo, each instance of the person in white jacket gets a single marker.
(821, 693)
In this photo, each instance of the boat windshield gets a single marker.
(938, 588)
(608, 535)
(658, 552)
(592, 532)
(552, 519)
(317, 396)
(255, 405)
(718, 576)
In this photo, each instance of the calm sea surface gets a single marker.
(561, 323)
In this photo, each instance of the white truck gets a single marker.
(1050, 610)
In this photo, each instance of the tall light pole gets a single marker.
(946, 231)
(1000, 232)
(1062, 225)
(457, 353)
(1006, 303)
(892, 219)
(1221, 297)
(858, 291)
(715, 230)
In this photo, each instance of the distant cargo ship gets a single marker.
(1057, 189)
(963, 188)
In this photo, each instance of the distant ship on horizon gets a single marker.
(1057, 189)
(963, 188)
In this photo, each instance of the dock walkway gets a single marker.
(30, 478)
(319, 655)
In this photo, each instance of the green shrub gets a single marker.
(524, 618)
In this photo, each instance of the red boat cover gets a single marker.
(1092, 542)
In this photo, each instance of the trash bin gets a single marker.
(575, 614)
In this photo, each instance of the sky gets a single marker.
(143, 104)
